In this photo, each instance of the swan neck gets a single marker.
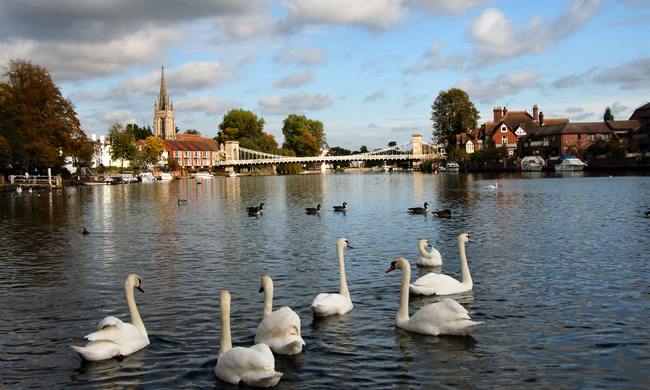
(343, 284)
(403, 312)
(423, 251)
(268, 300)
(136, 320)
(225, 340)
(467, 278)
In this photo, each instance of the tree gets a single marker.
(192, 131)
(172, 164)
(392, 143)
(452, 113)
(5, 152)
(608, 114)
(121, 142)
(85, 155)
(245, 127)
(338, 151)
(40, 126)
(304, 136)
(137, 132)
(153, 149)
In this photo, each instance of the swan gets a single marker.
(313, 210)
(182, 201)
(114, 337)
(255, 210)
(255, 366)
(428, 259)
(279, 329)
(342, 208)
(328, 304)
(446, 213)
(18, 189)
(494, 186)
(439, 284)
(419, 210)
(446, 317)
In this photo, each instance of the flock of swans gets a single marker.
(279, 330)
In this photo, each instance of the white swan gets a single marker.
(439, 284)
(329, 304)
(428, 259)
(279, 329)
(445, 317)
(114, 337)
(494, 186)
(255, 366)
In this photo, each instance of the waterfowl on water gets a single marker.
(313, 210)
(446, 213)
(419, 210)
(494, 186)
(342, 208)
(85, 232)
(182, 201)
(329, 304)
(255, 210)
(428, 259)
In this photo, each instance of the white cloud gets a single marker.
(496, 38)
(209, 105)
(295, 103)
(122, 116)
(370, 14)
(295, 80)
(488, 91)
(375, 96)
(433, 60)
(439, 7)
(632, 75)
(297, 54)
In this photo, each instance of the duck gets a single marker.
(313, 210)
(446, 213)
(419, 210)
(330, 304)
(279, 329)
(341, 208)
(440, 284)
(494, 186)
(113, 337)
(254, 366)
(182, 201)
(446, 317)
(428, 259)
(255, 210)
(85, 232)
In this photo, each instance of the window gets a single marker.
(605, 137)
(504, 140)
(591, 137)
(504, 129)
(545, 142)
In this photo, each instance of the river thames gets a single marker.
(561, 270)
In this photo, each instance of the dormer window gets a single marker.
(520, 132)
(504, 128)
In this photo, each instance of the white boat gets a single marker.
(165, 176)
(452, 166)
(203, 175)
(441, 169)
(127, 177)
(532, 164)
(232, 174)
(569, 162)
(386, 168)
(146, 177)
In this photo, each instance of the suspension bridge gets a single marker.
(413, 150)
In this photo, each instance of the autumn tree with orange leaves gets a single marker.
(39, 126)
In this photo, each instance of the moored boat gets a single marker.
(532, 164)
(203, 175)
(452, 166)
(569, 162)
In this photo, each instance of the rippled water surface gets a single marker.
(560, 268)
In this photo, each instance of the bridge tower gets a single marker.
(417, 149)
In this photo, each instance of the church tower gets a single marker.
(164, 125)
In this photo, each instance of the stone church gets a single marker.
(164, 125)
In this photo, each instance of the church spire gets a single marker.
(162, 98)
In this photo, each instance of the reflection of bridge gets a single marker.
(414, 150)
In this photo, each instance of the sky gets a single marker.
(369, 70)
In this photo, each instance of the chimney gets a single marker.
(541, 118)
(505, 111)
(535, 111)
(497, 114)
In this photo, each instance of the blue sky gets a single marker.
(368, 69)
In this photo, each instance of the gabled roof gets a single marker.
(624, 126)
(512, 120)
(642, 113)
(570, 128)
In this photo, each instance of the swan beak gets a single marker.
(392, 267)
(140, 288)
(261, 289)
(470, 240)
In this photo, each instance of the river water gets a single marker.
(560, 268)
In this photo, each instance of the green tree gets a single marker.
(392, 143)
(39, 124)
(138, 132)
(452, 113)
(304, 136)
(288, 169)
(338, 151)
(85, 155)
(121, 143)
(245, 127)
(608, 114)
(192, 131)
(172, 164)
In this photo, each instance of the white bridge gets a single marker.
(414, 150)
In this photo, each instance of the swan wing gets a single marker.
(436, 284)
(255, 366)
(328, 304)
(429, 259)
(280, 330)
(444, 317)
